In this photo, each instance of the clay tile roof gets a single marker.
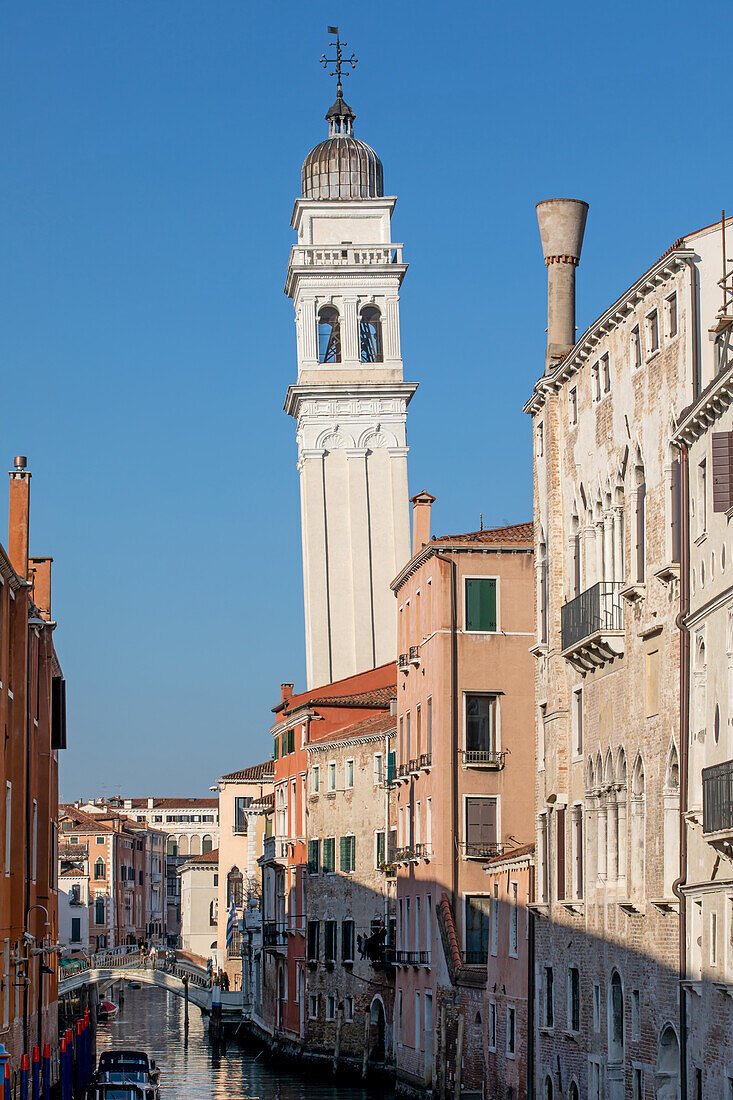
(73, 874)
(173, 803)
(379, 723)
(513, 535)
(265, 803)
(256, 774)
(376, 698)
(512, 853)
(205, 857)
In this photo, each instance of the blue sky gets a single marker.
(151, 157)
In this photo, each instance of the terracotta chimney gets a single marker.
(286, 692)
(421, 504)
(19, 515)
(40, 574)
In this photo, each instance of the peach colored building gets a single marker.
(464, 770)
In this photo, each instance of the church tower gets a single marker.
(350, 401)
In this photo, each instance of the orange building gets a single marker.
(33, 718)
(301, 720)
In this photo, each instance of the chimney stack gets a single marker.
(40, 574)
(421, 504)
(286, 692)
(562, 224)
(19, 515)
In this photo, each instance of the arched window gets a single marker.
(100, 871)
(640, 524)
(573, 1094)
(370, 335)
(638, 829)
(671, 795)
(575, 553)
(548, 1088)
(668, 1063)
(235, 888)
(183, 845)
(615, 1019)
(329, 335)
(172, 846)
(195, 845)
(206, 844)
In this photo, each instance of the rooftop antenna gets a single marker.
(338, 61)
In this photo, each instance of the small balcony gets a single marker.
(592, 626)
(483, 758)
(415, 656)
(476, 956)
(403, 770)
(403, 663)
(274, 935)
(480, 850)
(426, 761)
(414, 766)
(402, 855)
(717, 803)
(412, 958)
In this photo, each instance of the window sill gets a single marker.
(539, 650)
(541, 908)
(630, 906)
(545, 1030)
(573, 1036)
(668, 572)
(633, 592)
(652, 356)
(667, 905)
(576, 905)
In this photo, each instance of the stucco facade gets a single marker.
(199, 904)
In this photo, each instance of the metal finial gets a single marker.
(338, 61)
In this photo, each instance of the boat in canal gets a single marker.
(123, 1090)
(106, 1010)
(122, 1068)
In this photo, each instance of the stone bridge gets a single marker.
(134, 967)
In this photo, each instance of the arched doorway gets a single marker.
(377, 1051)
(667, 1077)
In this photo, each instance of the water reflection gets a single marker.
(152, 1020)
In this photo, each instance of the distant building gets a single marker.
(33, 721)
(199, 904)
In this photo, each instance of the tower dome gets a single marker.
(342, 167)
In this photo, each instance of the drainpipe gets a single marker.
(684, 738)
(453, 725)
(530, 989)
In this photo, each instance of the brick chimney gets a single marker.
(421, 504)
(286, 692)
(40, 575)
(19, 515)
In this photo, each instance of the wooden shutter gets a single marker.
(344, 844)
(390, 769)
(481, 603)
(291, 740)
(722, 471)
(481, 822)
(560, 815)
(312, 857)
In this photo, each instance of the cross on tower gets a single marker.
(338, 61)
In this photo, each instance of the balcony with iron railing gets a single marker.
(717, 802)
(403, 770)
(480, 850)
(483, 758)
(426, 760)
(412, 958)
(476, 956)
(592, 626)
(274, 934)
(414, 766)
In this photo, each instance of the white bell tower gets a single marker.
(350, 403)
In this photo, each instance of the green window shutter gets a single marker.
(380, 849)
(481, 603)
(274, 751)
(284, 745)
(344, 844)
(291, 740)
(312, 857)
(390, 769)
(328, 854)
(352, 852)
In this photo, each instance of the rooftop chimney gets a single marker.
(19, 515)
(40, 574)
(421, 504)
(562, 224)
(286, 692)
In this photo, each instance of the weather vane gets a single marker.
(338, 60)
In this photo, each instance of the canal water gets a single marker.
(151, 1019)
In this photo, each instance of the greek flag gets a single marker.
(231, 923)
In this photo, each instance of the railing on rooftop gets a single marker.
(347, 254)
(717, 798)
(595, 610)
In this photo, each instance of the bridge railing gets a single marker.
(108, 960)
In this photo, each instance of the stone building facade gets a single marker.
(607, 516)
(199, 904)
(705, 440)
(349, 991)
(464, 760)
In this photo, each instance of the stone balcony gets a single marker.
(592, 626)
(717, 805)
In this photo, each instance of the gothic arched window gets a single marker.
(370, 335)
(235, 887)
(100, 870)
(616, 1019)
(329, 335)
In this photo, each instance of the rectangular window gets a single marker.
(330, 1007)
(76, 929)
(418, 731)
(541, 716)
(418, 822)
(481, 729)
(430, 725)
(240, 821)
(284, 744)
(544, 830)
(313, 1005)
(348, 853)
(596, 381)
(481, 604)
(637, 1084)
(348, 1008)
(332, 777)
(349, 774)
(573, 999)
(549, 999)
(329, 855)
(6, 984)
(596, 1008)
(510, 1026)
(560, 824)
(315, 778)
(478, 921)
(314, 857)
(652, 683)
(347, 941)
(636, 346)
(671, 305)
(606, 372)
(330, 941)
(380, 857)
(8, 824)
(573, 406)
(492, 1026)
(418, 1022)
(514, 920)
(291, 741)
(713, 939)
(378, 769)
(275, 751)
(99, 915)
(402, 741)
(652, 331)
(481, 826)
(635, 1013)
(577, 722)
(540, 440)
(702, 497)
(399, 1017)
(577, 825)
(314, 933)
(407, 739)
(429, 824)
(429, 924)
(495, 920)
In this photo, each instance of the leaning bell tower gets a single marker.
(350, 400)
